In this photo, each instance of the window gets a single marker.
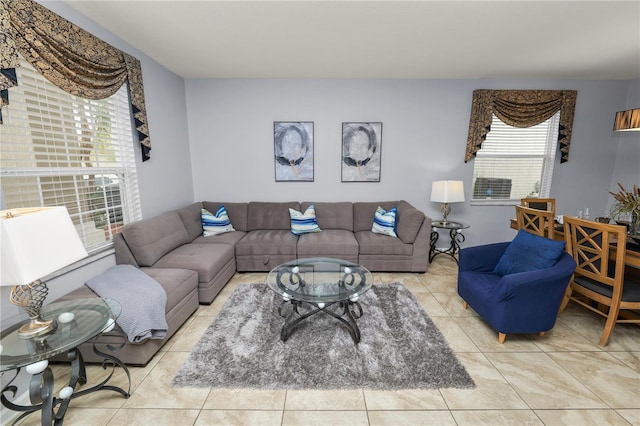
(58, 149)
(515, 162)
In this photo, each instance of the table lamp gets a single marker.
(35, 242)
(447, 191)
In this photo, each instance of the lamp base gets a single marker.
(445, 209)
(36, 327)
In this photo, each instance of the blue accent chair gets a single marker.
(520, 303)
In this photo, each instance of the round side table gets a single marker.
(455, 234)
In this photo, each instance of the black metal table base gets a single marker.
(456, 237)
(41, 388)
(347, 313)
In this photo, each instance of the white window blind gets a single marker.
(515, 163)
(59, 149)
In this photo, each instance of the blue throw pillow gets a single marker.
(214, 224)
(384, 222)
(528, 252)
(303, 223)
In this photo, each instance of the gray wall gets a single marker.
(425, 124)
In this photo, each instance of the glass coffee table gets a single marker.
(320, 284)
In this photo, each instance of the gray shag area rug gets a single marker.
(400, 347)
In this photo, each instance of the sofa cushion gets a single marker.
(529, 252)
(150, 239)
(304, 223)
(329, 243)
(177, 283)
(363, 214)
(215, 223)
(267, 216)
(267, 241)
(384, 222)
(408, 222)
(237, 212)
(206, 259)
(230, 238)
(190, 216)
(377, 244)
(333, 215)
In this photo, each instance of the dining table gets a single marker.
(632, 254)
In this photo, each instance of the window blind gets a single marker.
(59, 149)
(515, 162)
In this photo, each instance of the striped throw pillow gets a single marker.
(303, 223)
(214, 224)
(384, 222)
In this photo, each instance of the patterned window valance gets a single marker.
(71, 58)
(520, 108)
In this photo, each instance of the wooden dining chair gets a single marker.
(599, 282)
(548, 204)
(534, 221)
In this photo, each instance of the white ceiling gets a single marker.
(380, 39)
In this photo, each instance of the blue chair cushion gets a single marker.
(528, 252)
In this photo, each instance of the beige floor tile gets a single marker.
(325, 400)
(496, 417)
(156, 390)
(154, 416)
(617, 384)
(563, 338)
(405, 399)
(239, 417)
(492, 390)
(456, 337)
(248, 278)
(192, 334)
(632, 416)
(411, 282)
(212, 310)
(453, 304)
(440, 282)
(581, 417)
(411, 418)
(73, 417)
(624, 337)
(431, 305)
(245, 399)
(486, 338)
(542, 383)
(632, 359)
(325, 418)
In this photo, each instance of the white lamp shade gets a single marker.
(36, 242)
(447, 191)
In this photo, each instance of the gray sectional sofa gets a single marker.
(193, 268)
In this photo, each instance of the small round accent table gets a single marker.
(455, 234)
(77, 321)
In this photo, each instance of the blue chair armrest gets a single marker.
(533, 285)
(481, 258)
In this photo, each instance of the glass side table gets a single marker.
(455, 234)
(78, 321)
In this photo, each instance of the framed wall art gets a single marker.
(361, 152)
(293, 149)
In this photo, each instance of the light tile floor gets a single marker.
(562, 378)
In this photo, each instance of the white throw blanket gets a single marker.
(143, 301)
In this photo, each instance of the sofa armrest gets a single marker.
(481, 258)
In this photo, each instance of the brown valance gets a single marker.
(71, 58)
(520, 108)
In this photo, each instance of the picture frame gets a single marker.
(361, 151)
(293, 151)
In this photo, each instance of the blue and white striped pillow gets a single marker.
(384, 222)
(303, 223)
(214, 224)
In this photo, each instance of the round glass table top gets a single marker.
(77, 320)
(320, 280)
(449, 224)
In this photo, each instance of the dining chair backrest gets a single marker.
(548, 204)
(535, 221)
(599, 251)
